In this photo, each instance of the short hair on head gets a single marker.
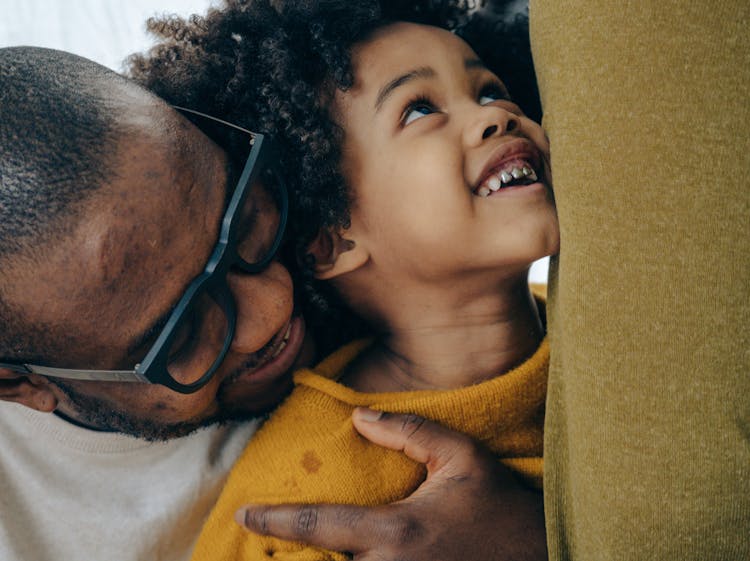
(56, 138)
(55, 134)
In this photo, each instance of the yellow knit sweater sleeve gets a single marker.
(309, 451)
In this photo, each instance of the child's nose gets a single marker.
(490, 121)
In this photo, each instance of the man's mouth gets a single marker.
(280, 342)
(271, 349)
(277, 356)
(513, 173)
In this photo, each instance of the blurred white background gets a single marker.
(105, 31)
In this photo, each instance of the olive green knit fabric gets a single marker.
(647, 439)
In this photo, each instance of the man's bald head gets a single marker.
(60, 115)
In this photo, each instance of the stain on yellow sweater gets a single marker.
(309, 451)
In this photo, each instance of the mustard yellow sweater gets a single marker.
(309, 451)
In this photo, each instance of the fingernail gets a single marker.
(241, 517)
(369, 415)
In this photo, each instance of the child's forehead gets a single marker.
(404, 43)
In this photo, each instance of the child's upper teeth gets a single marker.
(517, 173)
(497, 180)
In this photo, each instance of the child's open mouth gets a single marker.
(513, 173)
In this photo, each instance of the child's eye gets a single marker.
(416, 110)
(492, 93)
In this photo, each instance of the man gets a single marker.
(122, 313)
(99, 180)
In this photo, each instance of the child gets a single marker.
(447, 203)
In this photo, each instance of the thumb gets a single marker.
(443, 451)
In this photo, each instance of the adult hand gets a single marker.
(469, 507)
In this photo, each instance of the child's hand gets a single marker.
(469, 507)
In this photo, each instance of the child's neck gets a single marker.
(452, 347)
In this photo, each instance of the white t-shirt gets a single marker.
(70, 494)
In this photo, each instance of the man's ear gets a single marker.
(335, 255)
(30, 390)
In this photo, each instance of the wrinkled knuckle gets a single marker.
(305, 522)
(263, 520)
(257, 520)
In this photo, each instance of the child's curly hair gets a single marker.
(273, 66)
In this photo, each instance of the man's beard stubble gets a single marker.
(100, 415)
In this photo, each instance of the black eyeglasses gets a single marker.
(199, 331)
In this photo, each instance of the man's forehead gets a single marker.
(163, 226)
(101, 284)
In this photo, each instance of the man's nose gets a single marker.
(487, 121)
(264, 304)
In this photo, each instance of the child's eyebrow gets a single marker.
(387, 90)
(422, 72)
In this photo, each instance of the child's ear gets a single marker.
(30, 390)
(335, 255)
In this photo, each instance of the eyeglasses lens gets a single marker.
(259, 220)
(198, 341)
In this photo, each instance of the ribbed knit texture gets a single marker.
(310, 452)
(647, 105)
